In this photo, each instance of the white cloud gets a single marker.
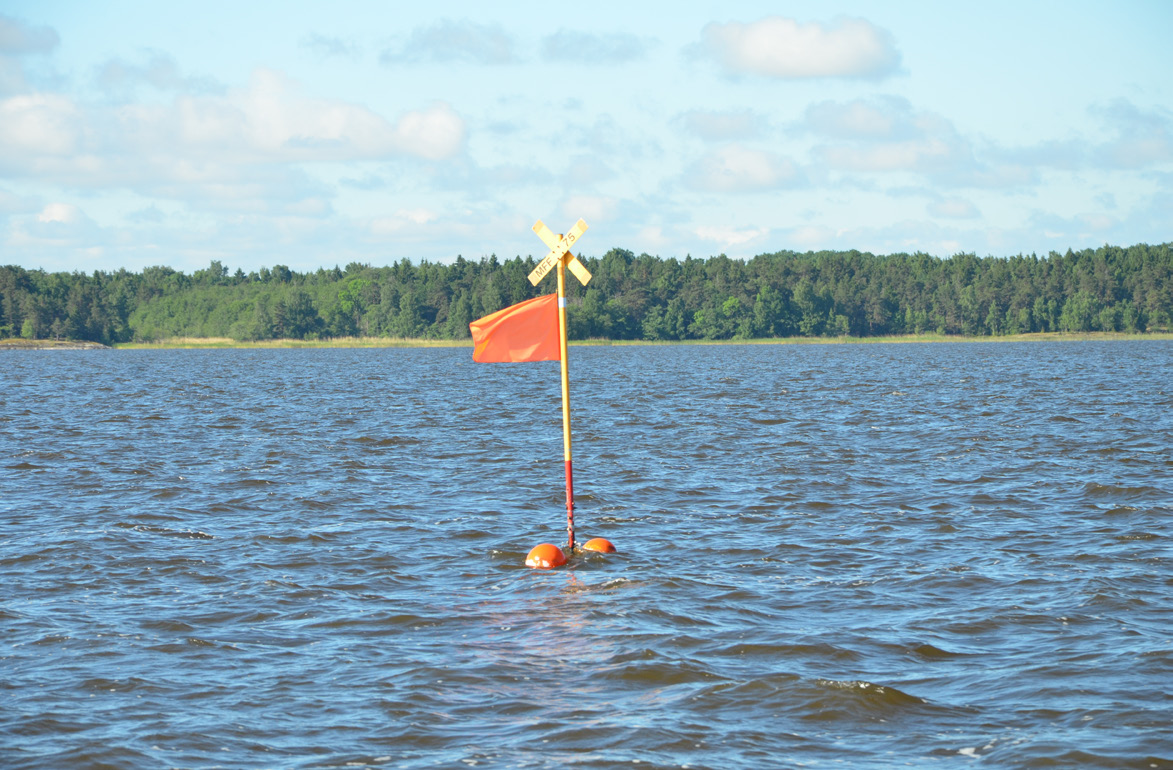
(58, 225)
(17, 37)
(923, 155)
(728, 237)
(19, 40)
(211, 139)
(568, 45)
(899, 235)
(606, 137)
(592, 208)
(993, 176)
(581, 171)
(1137, 139)
(149, 215)
(652, 237)
(404, 219)
(278, 121)
(1077, 230)
(453, 41)
(736, 168)
(813, 236)
(1143, 139)
(435, 133)
(36, 125)
(881, 117)
(159, 71)
(953, 208)
(327, 46)
(66, 213)
(779, 47)
(886, 135)
(1067, 154)
(11, 75)
(13, 204)
(1097, 222)
(307, 207)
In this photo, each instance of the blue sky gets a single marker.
(136, 134)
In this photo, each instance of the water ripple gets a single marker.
(858, 554)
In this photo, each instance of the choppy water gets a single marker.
(831, 555)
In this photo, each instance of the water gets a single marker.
(830, 555)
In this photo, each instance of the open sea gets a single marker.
(875, 555)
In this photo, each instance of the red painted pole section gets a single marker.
(570, 504)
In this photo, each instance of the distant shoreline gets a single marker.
(213, 343)
(19, 343)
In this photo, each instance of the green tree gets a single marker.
(812, 317)
(1080, 313)
(408, 324)
(994, 319)
(769, 313)
(299, 318)
(262, 326)
(813, 294)
(459, 317)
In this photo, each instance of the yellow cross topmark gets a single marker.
(560, 250)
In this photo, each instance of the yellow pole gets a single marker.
(565, 402)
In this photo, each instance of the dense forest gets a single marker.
(631, 297)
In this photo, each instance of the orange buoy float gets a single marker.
(545, 556)
(598, 544)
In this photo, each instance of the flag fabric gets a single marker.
(527, 331)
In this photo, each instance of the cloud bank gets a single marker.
(346, 144)
(453, 41)
(55, 138)
(778, 47)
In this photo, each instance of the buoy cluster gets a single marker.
(598, 544)
(549, 556)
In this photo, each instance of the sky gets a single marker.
(311, 135)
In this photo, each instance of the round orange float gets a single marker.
(599, 544)
(545, 556)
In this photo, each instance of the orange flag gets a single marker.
(527, 331)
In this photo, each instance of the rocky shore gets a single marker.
(23, 344)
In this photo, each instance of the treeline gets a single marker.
(631, 297)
